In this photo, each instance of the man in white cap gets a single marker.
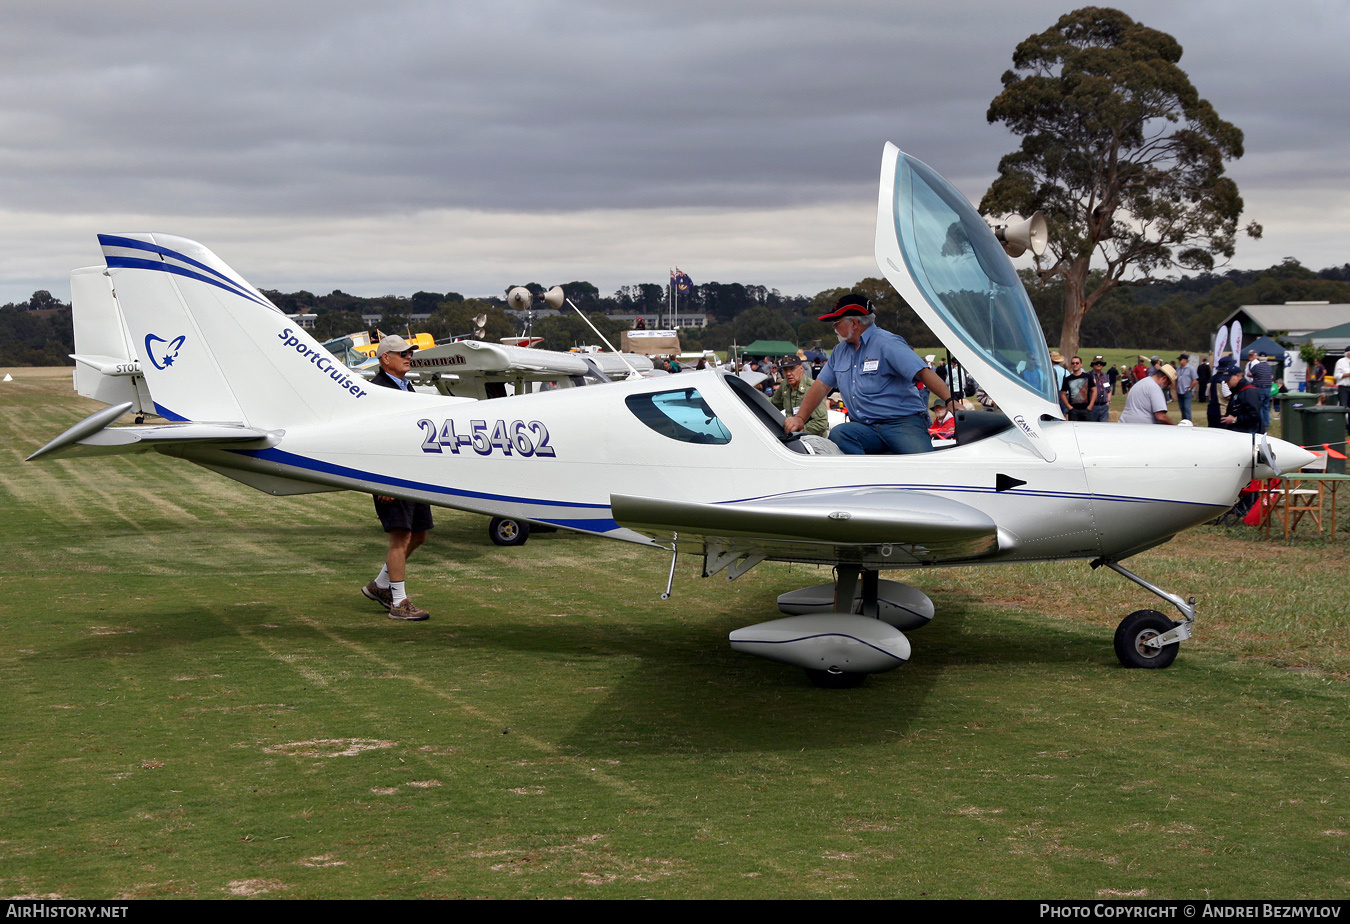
(406, 522)
(788, 397)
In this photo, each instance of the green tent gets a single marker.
(774, 348)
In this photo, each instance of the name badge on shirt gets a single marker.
(870, 365)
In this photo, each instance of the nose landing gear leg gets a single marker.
(1147, 638)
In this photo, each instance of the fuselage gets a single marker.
(558, 457)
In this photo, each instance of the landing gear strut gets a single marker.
(846, 589)
(1147, 638)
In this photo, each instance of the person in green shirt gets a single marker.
(789, 396)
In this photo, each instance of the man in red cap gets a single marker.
(876, 372)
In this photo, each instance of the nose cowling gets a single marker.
(1276, 457)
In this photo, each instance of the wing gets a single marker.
(876, 527)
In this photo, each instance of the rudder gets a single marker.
(213, 348)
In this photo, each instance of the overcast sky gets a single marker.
(391, 147)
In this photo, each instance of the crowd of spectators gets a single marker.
(1151, 386)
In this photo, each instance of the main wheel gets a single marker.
(835, 680)
(503, 531)
(1136, 629)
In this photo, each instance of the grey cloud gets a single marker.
(294, 111)
(520, 107)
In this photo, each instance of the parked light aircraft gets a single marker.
(107, 367)
(699, 464)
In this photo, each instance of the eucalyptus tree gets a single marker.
(1121, 154)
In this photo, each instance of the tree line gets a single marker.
(1180, 313)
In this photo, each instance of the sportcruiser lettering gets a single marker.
(323, 361)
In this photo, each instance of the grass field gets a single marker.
(195, 701)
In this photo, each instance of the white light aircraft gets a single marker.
(699, 464)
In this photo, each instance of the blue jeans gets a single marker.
(1184, 402)
(901, 435)
(1265, 409)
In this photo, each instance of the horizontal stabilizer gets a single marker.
(108, 365)
(93, 436)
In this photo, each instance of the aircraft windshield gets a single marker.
(962, 270)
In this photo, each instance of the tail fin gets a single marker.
(213, 348)
(107, 367)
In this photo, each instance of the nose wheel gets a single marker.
(1138, 642)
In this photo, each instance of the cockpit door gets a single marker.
(943, 259)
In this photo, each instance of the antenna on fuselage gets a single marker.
(556, 298)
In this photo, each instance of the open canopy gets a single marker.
(944, 260)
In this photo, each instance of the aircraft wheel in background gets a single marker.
(1136, 629)
(503, 531)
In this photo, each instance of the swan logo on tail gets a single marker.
(163, 355)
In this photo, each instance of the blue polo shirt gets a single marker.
(876, 377)
(1186, 377)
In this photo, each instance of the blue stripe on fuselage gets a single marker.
(282, 457)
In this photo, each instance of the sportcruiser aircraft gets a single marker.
(699, 464)
(108, 368)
